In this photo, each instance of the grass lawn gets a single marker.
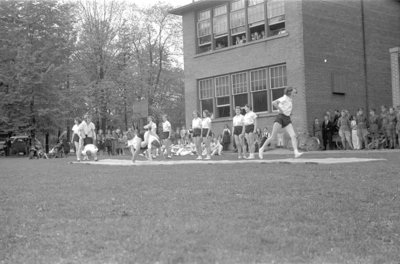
(52, 211)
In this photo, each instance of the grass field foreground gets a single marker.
(55, 212)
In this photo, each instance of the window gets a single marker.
(276, 17)
(278, 82)
(239, 89)
(256, 17)
(206, 93)
(204, 31)
(220, 26)
(258, 87)
(222, 95)
(238, 22)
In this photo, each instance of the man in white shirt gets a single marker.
(282, 120)
(87, 131)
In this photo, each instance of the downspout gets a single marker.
(364, 57)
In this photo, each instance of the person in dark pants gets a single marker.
(327, 128)
(226, 138)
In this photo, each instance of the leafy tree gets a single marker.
(37, 38)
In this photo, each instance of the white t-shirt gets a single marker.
(152, 126)
(166, 126)
(238, 120)
(249, 118)
(196, 123)
(206, 123)
(75, 129)
(87, 129)
(285, 103)
(92, 149)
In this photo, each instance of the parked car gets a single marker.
(20, 145)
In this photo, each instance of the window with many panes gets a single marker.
(258, 88)
(206, 94)
(228, 23)
(238, 22)
(276, 17)
(222, 96)
(240, 89)
(278, 81)
(256, 19)
(220, 23)
(204, 30)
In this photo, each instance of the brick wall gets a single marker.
(382, 29)
(333, 44)
(286, 49)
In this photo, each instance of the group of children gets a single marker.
(360, 131)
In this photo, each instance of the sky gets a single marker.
(174, 3)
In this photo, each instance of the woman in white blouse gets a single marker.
(196, 126)
(238, 132)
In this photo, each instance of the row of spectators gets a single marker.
(359, 131)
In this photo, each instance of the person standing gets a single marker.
(206, 132)
(166, 135)
(391, 128)
(196, 126)
(327, 128)
(282, 120)
(362, 131)
(238, 131)
(250, 126)
(75, 138)
(226, 137)
(398, 124)
(87, 131)
(344, 129)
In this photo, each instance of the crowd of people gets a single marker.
(360, 130)
(198, 140)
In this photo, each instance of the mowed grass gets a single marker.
(55, 212)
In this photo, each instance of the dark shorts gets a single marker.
(87, 140)
(165, 135)
(282, 119)
(196, 132)
(204, 132)
(75, 138)
(249, 129)
(237, 130)
(156, 144)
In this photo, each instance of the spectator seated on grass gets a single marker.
(187, 149)
(88, 151)
(216, 147)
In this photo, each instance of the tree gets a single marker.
(37, 37)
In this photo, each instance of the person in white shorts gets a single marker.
(282, 120)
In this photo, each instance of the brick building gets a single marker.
(335, 52)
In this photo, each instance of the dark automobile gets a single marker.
(20, 145)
